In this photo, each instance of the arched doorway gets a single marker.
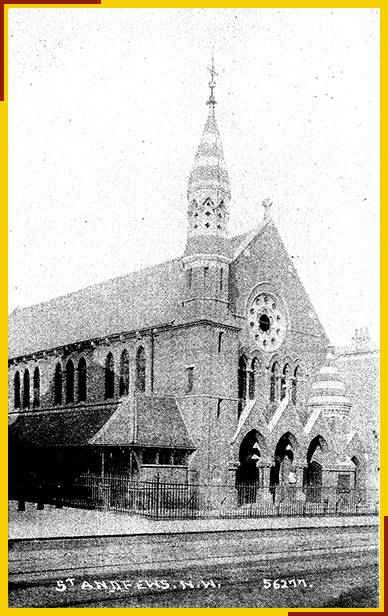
(249, 474)
(312, 473)
(312, 481)
(282, 472)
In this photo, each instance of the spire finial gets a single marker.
(267, 204)
(212, 83)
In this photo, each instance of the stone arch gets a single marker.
(282, 471)
(317, 444)
(315, 464)
(250, 472)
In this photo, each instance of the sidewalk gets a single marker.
(70, 522)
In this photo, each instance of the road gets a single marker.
(335, 567)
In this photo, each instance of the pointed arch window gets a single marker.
(36, 398)
(274, 377)
(58, 384)
(109, 377)
(295, 380)
(124, 373)
(284, 381)
(26, 389)
(82, 377)
(140, 369)
(242, 383)
(220, 341)
(69, 382)
(16, 390)
(253, 376)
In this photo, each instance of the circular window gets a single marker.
(266, 321)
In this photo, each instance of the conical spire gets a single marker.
(209, 171)
(208, 191)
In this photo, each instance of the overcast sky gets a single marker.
(106, 110)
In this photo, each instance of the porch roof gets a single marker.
(145, 422)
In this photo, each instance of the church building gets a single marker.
(212, 368)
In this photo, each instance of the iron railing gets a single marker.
(160, 500)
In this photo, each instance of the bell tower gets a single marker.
(206, 258)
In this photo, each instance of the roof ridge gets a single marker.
(93, 285)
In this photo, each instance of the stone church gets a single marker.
(212, 368)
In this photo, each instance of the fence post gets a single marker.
(157, 496)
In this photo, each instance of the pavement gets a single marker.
(71, 522)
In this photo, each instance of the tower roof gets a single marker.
(209, 170)
(328, 391)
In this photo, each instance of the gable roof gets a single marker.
(141, 299)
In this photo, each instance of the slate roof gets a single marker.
(141, 299)
(155, 422)
(147, 297)
(68, 427)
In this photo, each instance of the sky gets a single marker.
(106, 110)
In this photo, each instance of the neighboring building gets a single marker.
(210, 367)
(359, 364)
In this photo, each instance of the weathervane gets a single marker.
(212, 84)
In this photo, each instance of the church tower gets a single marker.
(206, 259)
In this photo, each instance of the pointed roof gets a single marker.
(328, 391)
(209, 170)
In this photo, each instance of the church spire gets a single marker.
(212, 84)
(208, 191)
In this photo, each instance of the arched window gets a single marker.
(36, 399)
(16, 390)
(58, 384)
(26, 389)
(109, 377)
(294, 393)
(124, 373)
(221, 278)
(140, 369)
(242, 383)
(220, 341)
(69, 381)
(253, 374)
(82, 375)
(284, 382)
(274, 377)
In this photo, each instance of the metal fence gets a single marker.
(162, 500)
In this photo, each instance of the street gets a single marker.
(326, 567)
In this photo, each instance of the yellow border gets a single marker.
(4, 277)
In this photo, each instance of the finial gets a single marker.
(212, 83)
(267, 204)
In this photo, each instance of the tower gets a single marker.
(328, 394)
(206, 259)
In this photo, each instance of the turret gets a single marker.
(206, 258)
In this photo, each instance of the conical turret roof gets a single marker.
(209, 171)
